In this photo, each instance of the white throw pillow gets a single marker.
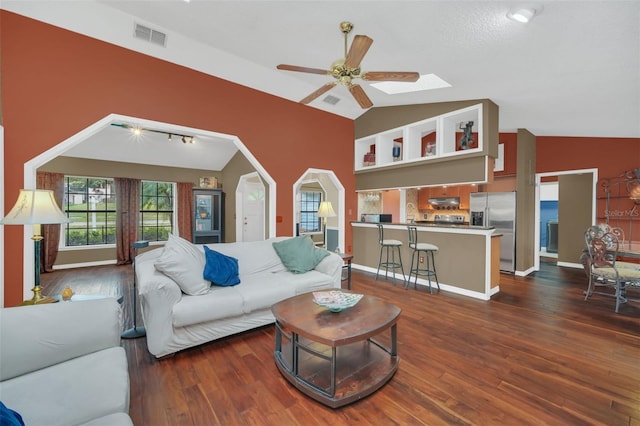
(184, 263)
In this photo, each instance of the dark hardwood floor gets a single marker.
(536, 354)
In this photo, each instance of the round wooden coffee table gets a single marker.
(336, 358)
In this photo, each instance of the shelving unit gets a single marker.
(208, 222)
(429, 139)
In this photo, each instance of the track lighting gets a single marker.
(137, 131)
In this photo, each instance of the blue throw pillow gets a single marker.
(299, 254)
(8, 417)
(220, 269)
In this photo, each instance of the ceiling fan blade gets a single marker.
(360, 96)
(359, 48)
(302, 69)
(319, 92)
(408, 77)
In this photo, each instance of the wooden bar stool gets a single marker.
(430, 264)
(386, 245)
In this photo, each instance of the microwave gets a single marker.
(376, 218)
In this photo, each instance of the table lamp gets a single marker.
(135, 331)
(36, 207)
(324, 211)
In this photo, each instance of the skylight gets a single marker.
(425, 82)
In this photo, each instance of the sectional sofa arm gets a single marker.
(36, 337)
(158, 295)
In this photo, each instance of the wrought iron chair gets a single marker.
(604, 271)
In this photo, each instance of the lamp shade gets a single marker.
(326, 209)
(35, 207)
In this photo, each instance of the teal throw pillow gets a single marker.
(299, 254)
(220, 269)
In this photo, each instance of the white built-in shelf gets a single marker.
(432, 138)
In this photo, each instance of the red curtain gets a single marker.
(185, 210)
(50, 233)
(127, 213)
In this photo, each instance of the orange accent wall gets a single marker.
(510, 141)
(56, 83)
(611, 156)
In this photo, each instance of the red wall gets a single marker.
(56, 83)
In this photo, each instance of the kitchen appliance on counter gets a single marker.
(497, 210)
(376, 218)
(450, 219)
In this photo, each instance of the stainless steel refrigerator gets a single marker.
(497, 209)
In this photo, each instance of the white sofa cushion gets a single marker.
(76, 391)
(115, 419)
(304, 283)
(260, 291)
(219, 302)
(184, 263)
(253, 257)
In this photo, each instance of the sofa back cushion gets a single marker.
(254, 257)
(184, 263)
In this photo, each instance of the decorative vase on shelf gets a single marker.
(396, 153)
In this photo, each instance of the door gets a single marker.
(575, 213)
(253, 211)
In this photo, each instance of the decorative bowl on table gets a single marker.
(336, 300)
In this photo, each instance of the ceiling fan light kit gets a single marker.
(347, 69)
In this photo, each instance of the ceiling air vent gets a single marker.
(152, 36)
(331, 100)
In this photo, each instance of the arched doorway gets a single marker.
(334, 192)
(73, 141)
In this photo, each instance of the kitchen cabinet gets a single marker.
(423, 199)
(461, 191)
(208, 223)
(465, 195)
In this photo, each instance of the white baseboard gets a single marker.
(84, 265)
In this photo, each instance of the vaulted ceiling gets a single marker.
(574, 70)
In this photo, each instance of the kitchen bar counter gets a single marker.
(467, 262)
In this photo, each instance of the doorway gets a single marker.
(32, 165)
(334, 192)
(250, 208)
(576, 211)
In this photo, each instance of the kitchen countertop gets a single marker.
(429, 224)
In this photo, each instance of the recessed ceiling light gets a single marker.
(524, 14)
(425, 82)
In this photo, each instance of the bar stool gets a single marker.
(430, 264)
(385, 245)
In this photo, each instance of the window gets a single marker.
(90, 205)
(156, 211)
(309, 203)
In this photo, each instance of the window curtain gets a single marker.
(50, 233)
(127, 213)
(185, 210)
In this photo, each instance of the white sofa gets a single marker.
(175, 320)
(62, 364)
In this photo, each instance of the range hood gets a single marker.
(445, 202)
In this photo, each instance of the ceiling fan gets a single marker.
(347, 69)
